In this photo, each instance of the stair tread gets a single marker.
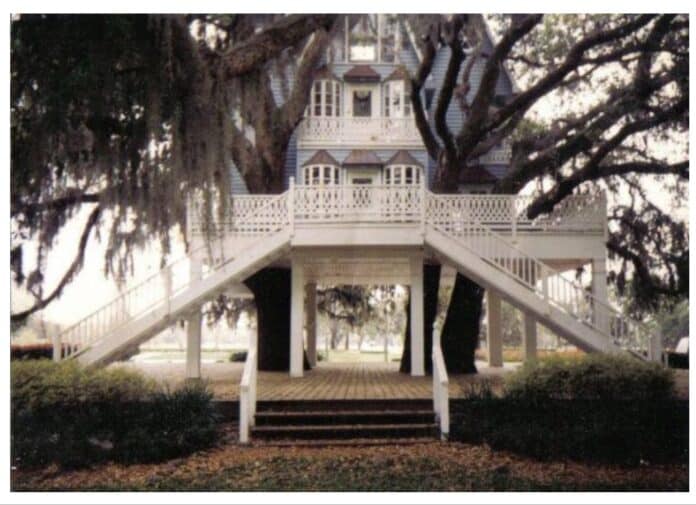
(353, 442)
(318, 413)
(335, 427)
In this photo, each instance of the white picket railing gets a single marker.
(247, 394)
(358, 130)
(252, 215)
(156, 290)
(446, 214)
(440, 391)
(364, 203)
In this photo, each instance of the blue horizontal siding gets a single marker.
(239, 187)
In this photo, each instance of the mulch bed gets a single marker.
(417, 466)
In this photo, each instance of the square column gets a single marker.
(495, 336)
(417, 318)
(193, 329)
(529, 339)
(600, 292)
(311, 323)
(297, 319)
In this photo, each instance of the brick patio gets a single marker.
(327, 381)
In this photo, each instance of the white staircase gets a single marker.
(146, 309)
(462, 230)
(458, 238)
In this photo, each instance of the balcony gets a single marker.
(358, 131)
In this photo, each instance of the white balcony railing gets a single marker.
(322, 131)
(252, 215)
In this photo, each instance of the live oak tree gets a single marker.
(122, 113)
(117, 114)
(618, 89)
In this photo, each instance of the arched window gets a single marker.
(326, 98)
(321, 175)
(398, 175)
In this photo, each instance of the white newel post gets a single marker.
(417, 315)
(296, 319)
(600, 292)
(193, 331)
(495, 337)
(530, 337)
(311, 311)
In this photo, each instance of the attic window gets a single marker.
(362, 37)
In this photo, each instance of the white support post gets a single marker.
(291, 204)
(57, 348)
(193, 330)
(600, 292)
(513, 217)
(423, 204)
(530, 337)
(495, 338)
(311, 327)
(417, 315)
(193, 344)
(296, 319)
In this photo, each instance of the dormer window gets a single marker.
(402, 169)
(322, 169)
(326, 98)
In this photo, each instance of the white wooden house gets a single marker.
(358, 210)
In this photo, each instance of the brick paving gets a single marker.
(357, 381)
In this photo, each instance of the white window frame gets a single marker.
(329, 92)
(321, 175)
(389, 90)
(398, 175)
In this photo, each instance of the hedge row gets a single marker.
(599, 408)
(73, 416)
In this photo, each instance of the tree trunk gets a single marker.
(460, 333)
(431, 286)
(334, 333)
(272, 292)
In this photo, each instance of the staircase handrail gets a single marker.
(167, 270)
(622, 321)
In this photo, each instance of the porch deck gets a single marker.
(328, 381)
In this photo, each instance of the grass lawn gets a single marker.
(431, 466)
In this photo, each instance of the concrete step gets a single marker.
(343, 417)
(345, 431)
(343, 405)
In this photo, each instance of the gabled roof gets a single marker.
(476, 174)
(402, 157)
(362, 157)
(399, 74)
(321, 158)
(362, 73)
(323, 72)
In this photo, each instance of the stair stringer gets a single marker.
(449, 251)
(144, 327)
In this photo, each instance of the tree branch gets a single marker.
(69, 274)
(266, 44)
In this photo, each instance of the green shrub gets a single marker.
(238, 357)
(592, 377)
(598, 408)
(73, 416)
